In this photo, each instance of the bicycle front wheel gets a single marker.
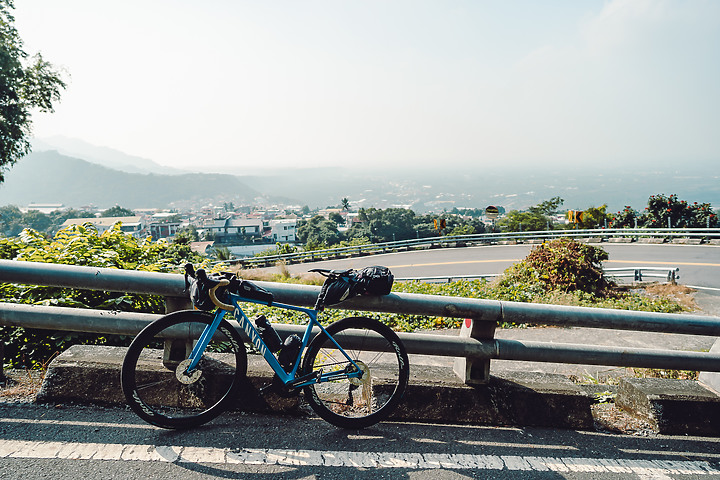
(156, 382)
(380, 355)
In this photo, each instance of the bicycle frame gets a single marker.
(288, 378)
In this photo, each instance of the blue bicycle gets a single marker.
(185, 368)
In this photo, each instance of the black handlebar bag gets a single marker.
(199, 294)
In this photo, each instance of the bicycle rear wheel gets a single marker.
(381, 356)
(155, 381)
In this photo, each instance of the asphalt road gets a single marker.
(699, 265)
(41, 442)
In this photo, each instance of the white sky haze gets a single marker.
(294, 83)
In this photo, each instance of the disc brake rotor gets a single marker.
(362, 379)
(183, 376)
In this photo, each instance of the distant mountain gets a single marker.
(49, 177)
(107, 157)
(437, 189)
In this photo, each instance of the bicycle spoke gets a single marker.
(157, 389)
(367, 396)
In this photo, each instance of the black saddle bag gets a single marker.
(375, 280)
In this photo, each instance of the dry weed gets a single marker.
(21, 385)
(679, 293)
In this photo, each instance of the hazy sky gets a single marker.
(307, 83)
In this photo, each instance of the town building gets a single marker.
(283, 230)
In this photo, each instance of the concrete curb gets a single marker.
(435, 394)
(91, 374)
(673, 407)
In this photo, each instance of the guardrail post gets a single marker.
(175, 351)
(2, 362)
(475, 371)
(174, 304)
(712, 379)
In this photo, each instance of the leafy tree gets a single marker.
(548, 207)
(594, 217)
(318, 232)
(626, 218)
(462, 229)
(355, 242)
(384, 225)
(535, 219)
(517, 221)
(13, 221)
(186, 235)
(25, 84)
(279, 249)
(10, 220)
(117, 211)
(670, 211)
(59, 216)
(345, 204)
(457, 225)
(337, 218)
(425, 226)
(222, 253)
(37, 220)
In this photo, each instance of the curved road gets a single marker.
(699, 265)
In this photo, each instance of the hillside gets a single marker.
(107, 157)
(48, 177)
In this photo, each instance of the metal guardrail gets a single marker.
(601, 234)
(637, 273)
(477, 345)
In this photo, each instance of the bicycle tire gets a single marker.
(357, 403)
(152, 378)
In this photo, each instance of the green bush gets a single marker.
(562, 271)
(562, 264)
(81, 245)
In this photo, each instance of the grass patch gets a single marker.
(665, 373)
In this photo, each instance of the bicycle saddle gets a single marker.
(325, 272)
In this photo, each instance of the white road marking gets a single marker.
(644, 469)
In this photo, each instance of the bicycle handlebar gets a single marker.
(213, 297)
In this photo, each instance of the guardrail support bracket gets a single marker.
(475, 371)
(174, 304)
(174, 352)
